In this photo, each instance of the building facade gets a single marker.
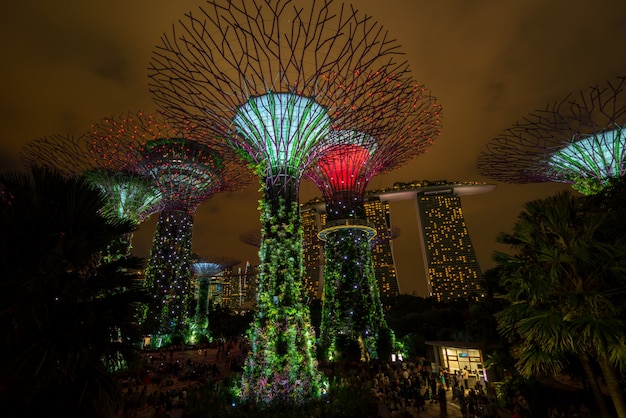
(451, 266)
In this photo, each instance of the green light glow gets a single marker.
(589, 162)
(281, 365)
(204, 272)
(282, 126)
(129, 196)
(280, 132)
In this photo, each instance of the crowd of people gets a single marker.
(403, 389)
(406, 388)
(168, 375)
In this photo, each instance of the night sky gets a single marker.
(489, 62)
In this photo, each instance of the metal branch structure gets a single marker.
(130, 196)
(271, 78)
(579, 141)
(187, 172)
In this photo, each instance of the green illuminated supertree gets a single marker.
(205, 273)
(272, 78)
(187, 172)
(580, 141)
(129, 195)
(352, 313)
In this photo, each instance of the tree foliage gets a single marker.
(565, 285)
(67, 320)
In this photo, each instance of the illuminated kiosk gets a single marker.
(579, 141)
(267, 85)
(187, 172)
(352, 313)
(130, 196)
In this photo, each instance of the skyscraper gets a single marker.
(451, 265)
(377, 213)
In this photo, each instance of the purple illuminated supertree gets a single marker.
(271, 78)
(187, 172)
(580, 141)
(130, 196)
(352, 313)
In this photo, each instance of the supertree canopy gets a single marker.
(271, 78)
(129, 195)
(579, 141)
(187, 172)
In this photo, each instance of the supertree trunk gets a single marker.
(200, 327)
(281, 365)
(352, 314)
(168, 274)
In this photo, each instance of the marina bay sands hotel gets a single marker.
(451, 267)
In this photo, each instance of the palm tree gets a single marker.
(562, 282)
(67, 319)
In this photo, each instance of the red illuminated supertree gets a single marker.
(187, 172)
(352, 313)
(579, 140)
(271, 78)
(130, 195)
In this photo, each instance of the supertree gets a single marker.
(579, 140)
(129, 195)
(187, 172)
(270, 78)
(205, 270)
(352, 313)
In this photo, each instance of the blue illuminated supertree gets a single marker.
(271, 79)
(187, 172)
(579, 140)
(352, 313)
(129, 195)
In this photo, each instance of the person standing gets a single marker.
(465, 375)
(432, 380)
(443, 402)
(460, 396)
